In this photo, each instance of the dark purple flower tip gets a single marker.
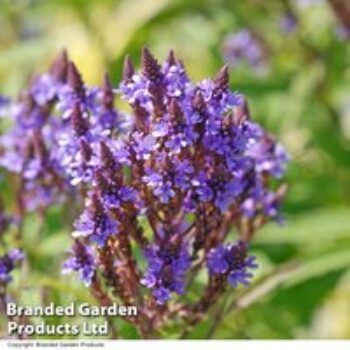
(150, 66)
(59, 68)
(108, 95)
(141, 117)
(107, 157)
(97, 208)
(171, 59)
(128, 69)
(39, 146)
(102, 183)
(75, 80)
(199, 102)
(86, 150)
(243, 113)
(221, 81)
(175, 112)
(79, 122)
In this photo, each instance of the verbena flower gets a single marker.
(167, 266)
(96, 223)
(170, 179)
(288, 22)
(8, 262)
(232, 262)
(243, 46)
(83, 261)
(28, 147)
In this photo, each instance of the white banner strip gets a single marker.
(174, 345)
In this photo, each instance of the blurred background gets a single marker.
(292, 61)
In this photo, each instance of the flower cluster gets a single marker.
(244, 46)
(12, 257)
(288, 22)
(8, 262)
(167, 266)
(56, 123)
(82, 261)
(191, 150)
(27, 149)
(163, 185)
(232, 260)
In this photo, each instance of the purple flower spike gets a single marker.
(243, 46)
(7, 263)
(83, 261)
(232, 261)
(170, 178)
(95, 223)
(288, 23)
(166, 270)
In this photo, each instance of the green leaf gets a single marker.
(54, 245)
(319, 227)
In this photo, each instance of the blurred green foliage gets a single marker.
(303, 286)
